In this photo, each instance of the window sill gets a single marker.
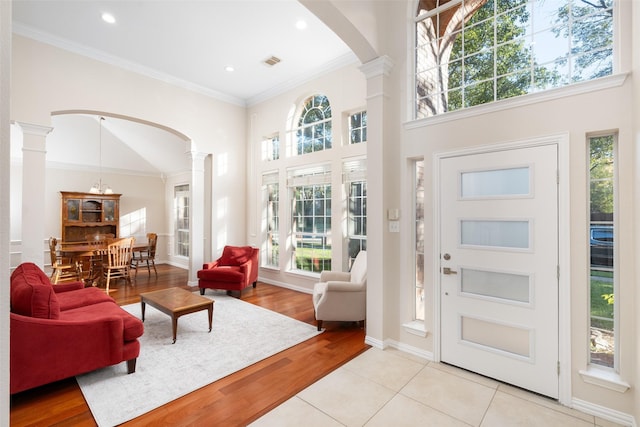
(607, 82)
(604, 377)
(305, 274)
(415, 327)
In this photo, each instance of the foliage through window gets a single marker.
(314, 126)
(358, 127)
(356, 219)
(311, 220)
(602, 337)
(472, 52)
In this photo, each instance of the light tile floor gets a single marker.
(391, 388)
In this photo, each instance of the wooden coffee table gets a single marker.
(176, 302)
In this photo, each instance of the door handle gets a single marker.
(447, 270)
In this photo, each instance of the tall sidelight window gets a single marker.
(358, 127)
(418, 178)
(311, 218)
(472, 52)
(602, 232)
(354, 175)
(272, 191)
(314, 126)
(181, 205)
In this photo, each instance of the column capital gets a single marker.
(34, 129)
(377, 67)
(197, 155)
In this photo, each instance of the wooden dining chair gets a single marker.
(118, 260)
(147, 255)
(63, 268)
(98, 259)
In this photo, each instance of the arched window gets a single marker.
(314, 127)
(472, 52)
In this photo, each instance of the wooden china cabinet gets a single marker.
(88, 213)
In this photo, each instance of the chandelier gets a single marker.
(98, 187)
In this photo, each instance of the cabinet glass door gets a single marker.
(73, 210)
(109, 208)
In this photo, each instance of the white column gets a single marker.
(197, 217)
(33, 186)
(381, 251)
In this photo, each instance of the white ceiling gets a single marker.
(184, 42)
(190, 42)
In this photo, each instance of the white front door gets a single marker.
(499, 265)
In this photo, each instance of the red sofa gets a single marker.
(236, 269)
(59, 331)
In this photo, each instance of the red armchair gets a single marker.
(235, 270)
(59, 331)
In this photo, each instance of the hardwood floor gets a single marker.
(235, 400)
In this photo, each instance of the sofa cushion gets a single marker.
(223, 273)
(235, 255)
(31, 297)
(81, 297)
(133, 327)
(29, 267)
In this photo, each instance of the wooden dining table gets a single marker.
(81, 251)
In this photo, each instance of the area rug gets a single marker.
(242, 335)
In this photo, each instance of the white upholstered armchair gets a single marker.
(341, 296)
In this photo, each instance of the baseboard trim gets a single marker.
(603, 412)
(285, 285)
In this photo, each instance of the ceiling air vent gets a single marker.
(271, 61)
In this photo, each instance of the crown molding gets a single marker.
(47, 38)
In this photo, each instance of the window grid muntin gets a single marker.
(428, 103)
(272, 148)
(311, 227)
(314, 132)
(181, 205)
(356, 219)
(358, 127)
(273, 225)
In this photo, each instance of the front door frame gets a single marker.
(564, 247)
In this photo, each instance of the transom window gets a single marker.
(271, 148)
(314, 126)
(472, 52)
(358, 127)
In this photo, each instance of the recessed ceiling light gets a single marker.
(301, 24)
(108, 18)
(229, 68)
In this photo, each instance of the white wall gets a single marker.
(48, 79)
